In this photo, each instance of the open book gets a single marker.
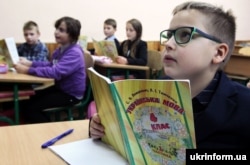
(8, 49)
(146, 121)
(105, 48)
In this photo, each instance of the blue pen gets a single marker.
(52, 141)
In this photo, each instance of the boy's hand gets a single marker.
(25, 62)
(20, 68)
(248, 84)
(96, 129)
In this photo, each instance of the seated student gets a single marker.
(109, 29)
(133, 51)
(199, 41)
(67, 68)
(33, 49)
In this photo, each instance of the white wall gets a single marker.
(154, 15)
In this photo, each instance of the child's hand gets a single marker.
(121, 60)
(96, 129)
(24, 61)
(20, 68)
(248, 84)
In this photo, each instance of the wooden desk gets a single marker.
(238, 65)
(22, 144)
(111, 66)
(17, 78)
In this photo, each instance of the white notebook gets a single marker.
(88, 151)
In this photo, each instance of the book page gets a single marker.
(98, 48)
(157, 120)
(109, 49)
(88, 151)
(105, 48)
(9, 51)
(83, 42)
(11, 45)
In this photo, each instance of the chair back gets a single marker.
(89, 62)
(154, 63)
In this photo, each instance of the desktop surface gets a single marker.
(21, 144)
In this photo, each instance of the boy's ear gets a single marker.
(221, 53)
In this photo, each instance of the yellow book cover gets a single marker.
(105, 48)
(8, 49)
(83, 42)
(148, 121)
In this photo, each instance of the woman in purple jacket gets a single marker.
(67, 67)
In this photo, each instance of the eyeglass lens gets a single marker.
(181, 35)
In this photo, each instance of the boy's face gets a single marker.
(108, 30)
(193, 59)
(31, 35)
(61, 35)
(130, 31)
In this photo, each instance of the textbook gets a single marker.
(105, 48)
(146, 121)
(83, 42)
(8, 49)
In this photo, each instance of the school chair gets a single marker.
(79, 106)
(155, 64)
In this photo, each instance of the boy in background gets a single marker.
(33, 49)
(198, 43)
(109, 29)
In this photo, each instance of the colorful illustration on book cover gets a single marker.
(161, 121)
(152, 125)
(5, 53)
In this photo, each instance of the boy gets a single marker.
(198, 43)
(109, 29)
(33, 49)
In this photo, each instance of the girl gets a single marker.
(133, 51)
(67, 68)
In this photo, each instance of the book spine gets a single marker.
(116, 99)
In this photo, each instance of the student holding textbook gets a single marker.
(198, 43)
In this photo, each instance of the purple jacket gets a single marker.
(67, 68)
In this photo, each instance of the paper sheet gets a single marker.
(88, 151)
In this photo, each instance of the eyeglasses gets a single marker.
(183, 35)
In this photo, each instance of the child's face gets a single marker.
(130, 31)
(31, 35)
(108, 30)
(192, 60)
(61, 35)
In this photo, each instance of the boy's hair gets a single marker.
(219, 23)
(73, 27)
(30, 25)
(111, 22)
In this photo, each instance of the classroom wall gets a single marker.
(154, 15)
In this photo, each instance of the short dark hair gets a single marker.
(73, 27)
(111, 22)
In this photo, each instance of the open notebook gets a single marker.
(88, 151)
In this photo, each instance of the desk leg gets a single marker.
(127, 74)
(16, 104)
(109, 73)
